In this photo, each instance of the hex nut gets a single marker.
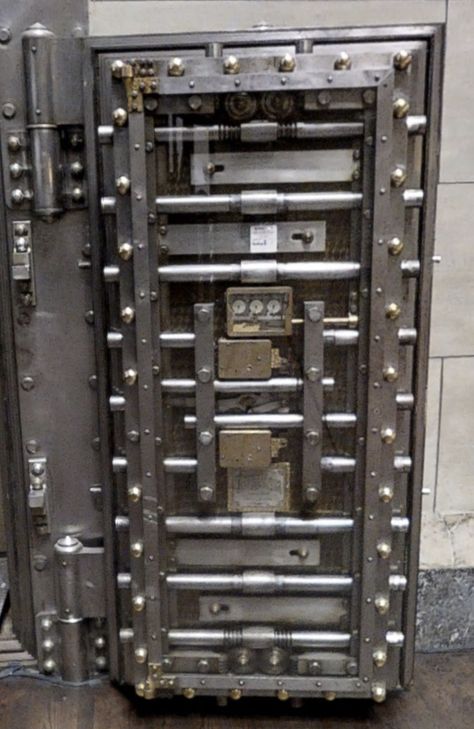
(231, 65)
(176, 67)
(343, 62)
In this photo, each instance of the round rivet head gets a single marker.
(401, 107)
(283, 695)
(134, 494)
(384, 550)
(130, 376)
(379, 657)
(203, 665)
(398, 176)
(136, 549)
(392, 310)
(395, 246)
(382, 604)
(138, 602)
(47, 645)
(127, 314)
(329, 695)
(9, 110)
(16, 170)
(77, 194)
(122, 184)
(125, 251)
(176, 67)
(287, 63)
(311, 493)
(49, 666)
(17, 196)
(141, 655)
(386, 494)
(379, 692)
(5, 35)
(231, 65)
(100, 642)
(204, 374)
(206, 493)
(189, 693)
(117, 68)
(206, 437)
(119, 117)
(388, 435)
(402, 60)
(235, 694)
(13, 143)
(343, 62)
(390, 374)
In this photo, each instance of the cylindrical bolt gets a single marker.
(231, 65)
(122, 184)
(130, 376)
(395, 246)
(392, 310)
(287, 63)
(401, 107)
(176, 67)
(382, 604)
(125, 251)
(138, 602)
(119, 117)
(141, 655)
(398, 176)
(386, 494)
(134, 494)
(390, 373)
(402, 60)
(117, 68)
(189, 693)
(136, 549)
(127, 314)
(343, 62)
(379, 657)
(384, 550)
(379, 692)
(388, 435)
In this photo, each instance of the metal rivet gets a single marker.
(379, 692)
(231, 65)
(343, 62)
(395, 246)
(384, 550)
(138, 602)
(130, 376)
(119, 117)
(382, 604)
(388, 435)
(392, 310)
(27, 383)
(206, 493)
(206, 437)
(117, 67)
(127, 314)
(17, 196)
(122, 184)
(125, 251)
(49, 666)
(379, 657)
(283, 695)
(401, 107)
(235, 694)
(136, 549)
(204, 374)
(386, 494)
(9, 110)
(77, 194)
(398, 176)
(329, 695)
(189, 693)
(390, 374)
(402, 60)
(141, 655)
(287, 63)
(176, 67)
(13, 143)
(5, 35)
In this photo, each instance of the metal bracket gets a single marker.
(38, 495)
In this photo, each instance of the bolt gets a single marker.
(133, 436)
(9, 110)
(117, 68)
(49, 666)
(127, 314)
(368, 97)
(402, 60)
(388, 435)
(77, 194)
(379, 692)
(130, 376)
(307, 237)
(312, 436)
(386, 494)
(47, 645)
(395, 246)
(398, 176)
(303, 553)
(314, 668)
(138, 603)
(204, 374)
(392, 310)
(101, 663)
(16, 170)
(17, 196)
(206, 493)
(380, 657)
(176, 67)
(329, 695)
(401, 107)
(100, 642)
(311, 493)
(324, 98)
(390, 374)
(312, 373)
(343, 62)
(195, 102)
(141, 655)
(283, 695)
(37, 469)
(314, 314)
(40, 562)
(235, 694)
(46, 624)
(231, 66)
(382, 604)
(119, 117)
(125, 251)
(122, 184)
(5, 35)
(287, 63)
(134, 494)
(27, 383)
(14, 143)
(189, 693)
(352, 668)
(203, 665)
(136, 549)
(205, 437)
(384, 550)
(203, 314)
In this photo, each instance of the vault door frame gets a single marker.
(432, 35)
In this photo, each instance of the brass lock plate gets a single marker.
(255, 311)
(245, 449)
(267, 490)
(245, 359)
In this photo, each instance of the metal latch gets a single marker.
(22, 262)
(38, 494)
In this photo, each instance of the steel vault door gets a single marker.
(266, 257)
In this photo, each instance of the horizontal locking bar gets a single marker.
(260, 131)
(257, 637)
(329, 464)
(258, 202)
(257, 271)
(181, 340)
(274, 384)
(413, 198)
(260, 582)
(274, 420)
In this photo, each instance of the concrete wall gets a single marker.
(448, 519)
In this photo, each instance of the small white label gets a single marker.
(263, 238)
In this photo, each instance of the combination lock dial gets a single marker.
(257, 311)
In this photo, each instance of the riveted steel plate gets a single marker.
(245, 449)
(248, 553)
(327, 611)
(266, 491)
(248, 359)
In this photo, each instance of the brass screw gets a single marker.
(402, 59)
(136, 549)
(287, 63)
(392, 310)
(134, 494)
(141, 655)
(119, 117)
(231, 65)
(329, 695)
(125, 251)
(398, 176)
(283, 695)
(390, 374)
(388, 435)
(176, 67)
(127, 314)
(379, 657)
(395, 246)
(382, 604)
(130, 376)
(122, 184)
(385, 494)
(235, 694)
(343, 62)
(401, 107)
(384, 550)
(138, 603)
(189, 693)
(379, 692)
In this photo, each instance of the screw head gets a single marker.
(141, 655)
(130, 376)
(125, 251)
(101, 663)
(47, 645)
(398, 176)
(312, 436)
(204, 374)
(27, 383)
(119, 117)
(77, 169)
(176, 67)
(307, 237)
(388, 435)
(312, 373)
(203, 665)
(384, 550)
(390, 374)
(311, 493)
(122, 184)
(382, 604)
(117, 68)
(392, 310)
(379, 657)
(127, 314)
(5, 35)
(231, 66)
(138, 602)
(16, 170)
(401, 107)
(343, 62)
(402, 60)
(206, 437)
(100, 642)
(395, 246)
(136, 549)
(287, 63)
(134, 494)
(386, 494)
(189, 693)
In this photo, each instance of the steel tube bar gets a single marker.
(259, 202)
(252, 132)
(416, 124)
(329, 464)
(259, 581)
(275, 420)
(255, 271)
(413, 198)
(274, 384)
(259, 636)
(337, 337)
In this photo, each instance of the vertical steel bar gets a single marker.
(205, 401)
(312, 398)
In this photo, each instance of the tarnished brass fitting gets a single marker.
(388, 435)
(401, 107)
(402, 60)
(231, 65)
(392, 310)
(395, 246)
(125, 251)
(343, 62)
(287, 63)
(176, 67)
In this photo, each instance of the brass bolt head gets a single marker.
(390, 374)
(138, 602)
(141, 655)
(402, 60)
(127, 314)
(117, 68)
(140, 689)
(384, 550)
(283, 695)
(231, 65)
(136, 549)
(398, 176)
(379, 692)
(386, 494)
(134, 494)
(287, 63)
(130, 376)
(235, 694)
(392, 310)
(176, 67)
(122, 184)
(189, 693)
(395, 246)
(343, 62)
(125, 251)
(382, 604)
(379, 657)
(13, 143)
(388, 435)
(329, 695)
(119, 117)
(401, 107)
